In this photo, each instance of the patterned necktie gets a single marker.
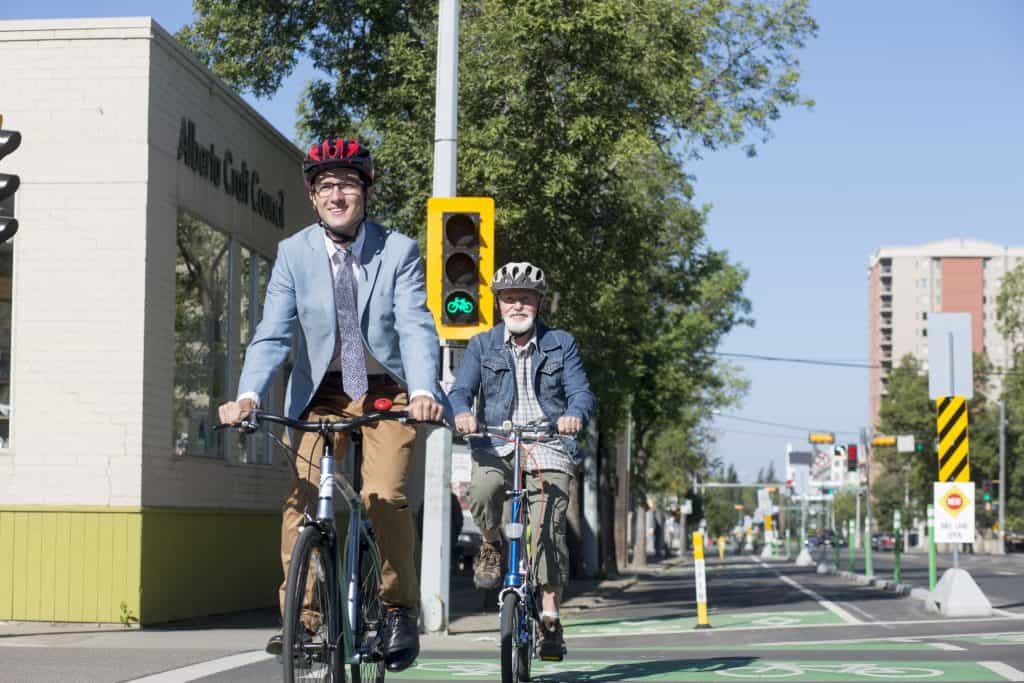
(353, 362)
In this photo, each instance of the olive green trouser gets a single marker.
(491, 476)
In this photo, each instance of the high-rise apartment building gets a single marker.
(906, 284)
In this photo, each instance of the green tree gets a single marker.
(1010, 322)
(1010, 308)
(577, 117)
(906, 409)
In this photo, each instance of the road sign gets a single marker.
(951, 422)
(905, 443)
(950, 369)
(954, 512)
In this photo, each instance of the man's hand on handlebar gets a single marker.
(465, 423)
(233, 412)
(426, 409)
(569, 425)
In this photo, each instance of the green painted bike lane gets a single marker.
(684, 670)
(735, 620)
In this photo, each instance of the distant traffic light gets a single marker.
(821, 437)
(884, 440)
(10, 140)
(986, 490)
(460, 264)
(851, 457)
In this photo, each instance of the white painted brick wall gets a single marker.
(99, 104)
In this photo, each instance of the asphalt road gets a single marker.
(770, 620)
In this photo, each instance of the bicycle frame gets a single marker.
(344, 584)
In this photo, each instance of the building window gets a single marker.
(6, 280)
(255, 274)
(200, 337)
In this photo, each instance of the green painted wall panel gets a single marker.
(197, 562)
(63, 564)
(94, 564)
(6, 564)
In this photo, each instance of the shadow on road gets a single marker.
(627, 671)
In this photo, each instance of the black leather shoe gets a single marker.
(401, 638)
(275, 645)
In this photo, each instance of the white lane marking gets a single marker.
(203, 669)
(870, 618)
(902, 639)
(827, 604)
(1005, 613)
(1004, 670)
(948, 646)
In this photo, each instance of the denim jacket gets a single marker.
(559, 380)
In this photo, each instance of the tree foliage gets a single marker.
(577, 116)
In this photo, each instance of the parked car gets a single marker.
(883, 541)
(1014, 540)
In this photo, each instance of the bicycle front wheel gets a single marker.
(515, 650)
(367, 629)
(310, 592)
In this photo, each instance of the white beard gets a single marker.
(519, 326)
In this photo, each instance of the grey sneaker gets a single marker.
(487, 566)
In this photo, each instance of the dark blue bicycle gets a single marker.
(519, 598)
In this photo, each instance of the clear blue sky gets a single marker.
(916, 136)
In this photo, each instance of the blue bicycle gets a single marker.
(519, 598)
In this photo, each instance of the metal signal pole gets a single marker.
(435, 574)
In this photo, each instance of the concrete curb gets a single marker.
(891, 586)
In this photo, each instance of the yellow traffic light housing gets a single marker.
(460, 265)
(10, 140)
(821, 437)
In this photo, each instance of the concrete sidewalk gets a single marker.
(472, 612)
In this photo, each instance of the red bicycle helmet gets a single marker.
(338, 153)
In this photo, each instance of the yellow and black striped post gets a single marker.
(700, 580)
(951, 422)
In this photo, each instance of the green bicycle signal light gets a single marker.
(460, 264)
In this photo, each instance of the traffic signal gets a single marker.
(10, 140)
(986, 489)
(821, 437)
(460, 264)
(851, 457)
(884, 441)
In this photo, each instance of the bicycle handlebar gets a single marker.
(250, 423)
(528, 431)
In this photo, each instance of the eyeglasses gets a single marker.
(524, 298)
(324, 190)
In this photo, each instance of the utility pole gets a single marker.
(622, 496)
(435, 572)
(591, 514)
(1002, 477)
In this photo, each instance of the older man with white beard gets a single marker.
(523, 371)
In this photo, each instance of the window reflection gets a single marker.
(200, 337)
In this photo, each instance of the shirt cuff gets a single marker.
(421, 392)
(251, 395)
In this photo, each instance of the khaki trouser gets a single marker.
(387, 452)
(491, 476)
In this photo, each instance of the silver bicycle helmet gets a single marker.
(522, 275)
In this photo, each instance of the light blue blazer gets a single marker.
(396, 326)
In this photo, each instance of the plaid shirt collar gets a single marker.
(526, 349)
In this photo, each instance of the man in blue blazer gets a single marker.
(355, 294)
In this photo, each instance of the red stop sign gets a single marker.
(954, 501)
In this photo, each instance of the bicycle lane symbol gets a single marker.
(895, 671)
